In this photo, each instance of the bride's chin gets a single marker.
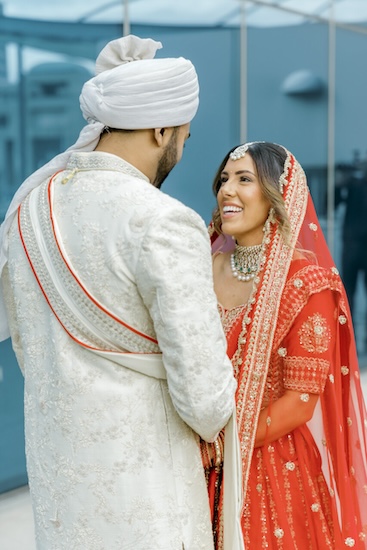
(229, 233)
(226, 227)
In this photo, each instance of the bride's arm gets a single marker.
(307, 352)
(287, 413)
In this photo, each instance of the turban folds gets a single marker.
(130, 91)
(134, 91)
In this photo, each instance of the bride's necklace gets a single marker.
(245, 262)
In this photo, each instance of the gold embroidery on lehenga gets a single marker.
(315, 334)
(279, 533)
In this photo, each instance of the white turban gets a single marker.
(130, 91)
(148, 93)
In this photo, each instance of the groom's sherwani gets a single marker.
(112, 455)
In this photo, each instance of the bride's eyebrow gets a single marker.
(239, 172)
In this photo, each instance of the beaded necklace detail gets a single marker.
(245, 262)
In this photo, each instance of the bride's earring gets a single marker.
(270, 219)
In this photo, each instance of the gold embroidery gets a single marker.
(315, 279)
(279, 533)
(282, 352)
(230, 316)
(305, 374)
(315, 334)
(298, 283)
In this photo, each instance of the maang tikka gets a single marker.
(241, 150)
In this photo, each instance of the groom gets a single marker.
(110, 306)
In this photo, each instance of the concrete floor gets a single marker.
(16, 520)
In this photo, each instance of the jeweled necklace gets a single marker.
(245, 261)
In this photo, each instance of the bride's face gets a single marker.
(242, 204)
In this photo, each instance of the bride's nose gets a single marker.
(228, 189)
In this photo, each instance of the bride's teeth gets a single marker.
(231, 209)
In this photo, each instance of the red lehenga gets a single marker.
(308, 489)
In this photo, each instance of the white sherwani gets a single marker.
(112, 455)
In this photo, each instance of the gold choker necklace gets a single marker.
(245, 261)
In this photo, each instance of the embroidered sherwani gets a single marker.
(112, 455)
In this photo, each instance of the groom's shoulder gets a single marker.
(161, 205)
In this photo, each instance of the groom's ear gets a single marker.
(162, 136)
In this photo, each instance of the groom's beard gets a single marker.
(167, 161)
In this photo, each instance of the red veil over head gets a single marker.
(339, 424)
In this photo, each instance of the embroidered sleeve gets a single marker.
(308, 345)
(305, 374)
(174, 277)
